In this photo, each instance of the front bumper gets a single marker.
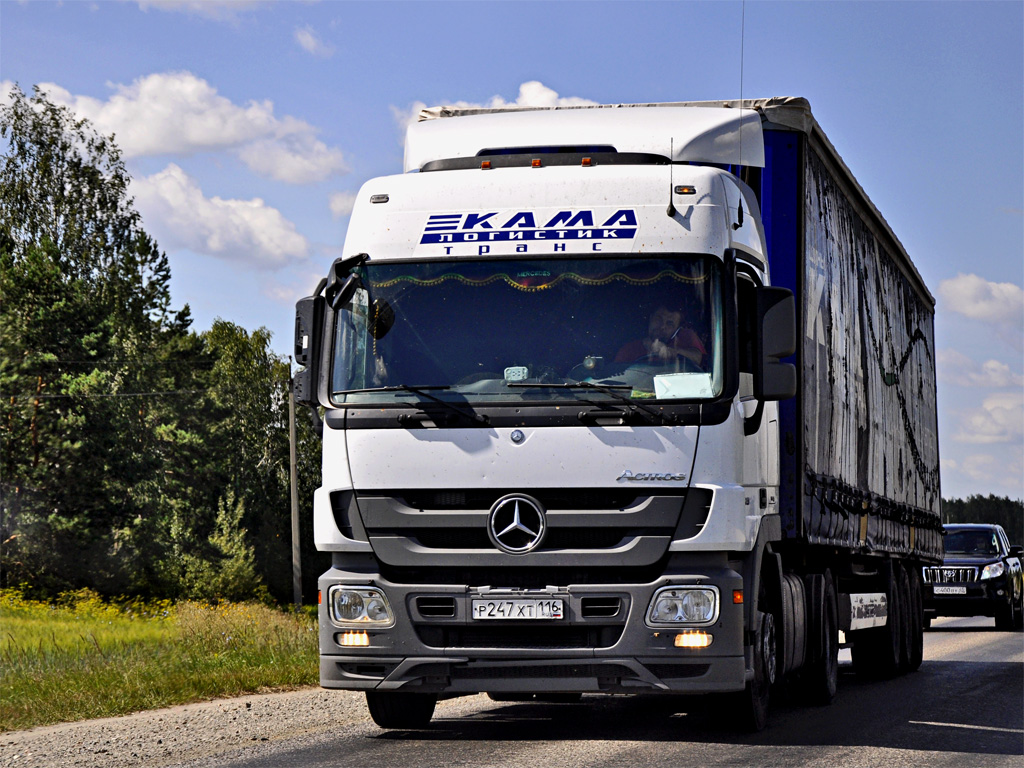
(601, 645)
(979, 598)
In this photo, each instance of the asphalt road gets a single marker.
(964, 707)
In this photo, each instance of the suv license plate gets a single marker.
(517, 610)
(950, 590)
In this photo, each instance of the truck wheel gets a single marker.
(751, 704)
(821, 677)
(918, 622)
(906, 624)
(1005, 620)
(397, 709)
(876, 652)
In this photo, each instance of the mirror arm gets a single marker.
(752, 423)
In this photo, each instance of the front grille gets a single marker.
(603, 527)
(474, 538)
(532, 637)
(950, 575)
(551, 498)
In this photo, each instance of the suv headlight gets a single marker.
(683, 606)
(992, 570)
(359, 605)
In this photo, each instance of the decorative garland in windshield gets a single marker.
(529, 287)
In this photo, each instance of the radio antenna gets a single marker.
(671, 210)
(743, 25)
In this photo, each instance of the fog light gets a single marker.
(683, 605)
(694, 639)
(360, 605)
(355, 639)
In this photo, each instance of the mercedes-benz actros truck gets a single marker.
(619, 399)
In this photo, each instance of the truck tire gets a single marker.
(820, 678)
(397, 709)
(751, 704)
(906, 624)
(876, 652)
(1005, 619)
(918, 621)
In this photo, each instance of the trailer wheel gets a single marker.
(918, 621)
(907, 621)
(821, 677)
(397, 709)
(1005, 620)
(876, 652)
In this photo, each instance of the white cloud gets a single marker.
(177, 213)
(178, 113)
(531, 94)
(1000, 419)
(972, 296)
(310, 42)
(1003, 474)
(303, 283)
(342, 204)
(957, 368)
(221, 10)
(297, 159)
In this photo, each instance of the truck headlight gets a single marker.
(673, 606)
(992, 571)
(360, 605)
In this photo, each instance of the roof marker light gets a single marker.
(536, 162)
(586, 162)
(485, 165)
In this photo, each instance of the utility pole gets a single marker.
(293, 482)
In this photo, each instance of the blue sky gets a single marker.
(248, 126)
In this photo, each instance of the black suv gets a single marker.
(980, 575)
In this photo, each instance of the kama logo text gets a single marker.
(443, 228)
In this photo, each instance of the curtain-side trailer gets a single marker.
(620, 399)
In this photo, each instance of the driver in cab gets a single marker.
(668, 339)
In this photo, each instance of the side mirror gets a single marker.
(309, 328)
(776, 316)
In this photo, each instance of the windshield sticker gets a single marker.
(539, 281)
(528, 227)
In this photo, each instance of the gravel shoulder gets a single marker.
(178, 735)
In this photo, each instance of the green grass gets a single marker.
(82, 658)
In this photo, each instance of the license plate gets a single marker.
(518, 610)
(939, 590)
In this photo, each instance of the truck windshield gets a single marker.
(513, 332)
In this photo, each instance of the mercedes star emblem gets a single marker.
(516, 524)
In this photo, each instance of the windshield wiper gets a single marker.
(422, 391)
(607, 389)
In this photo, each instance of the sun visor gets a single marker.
(713, 135)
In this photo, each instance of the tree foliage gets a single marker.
(1000, 510)
(138, 456)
